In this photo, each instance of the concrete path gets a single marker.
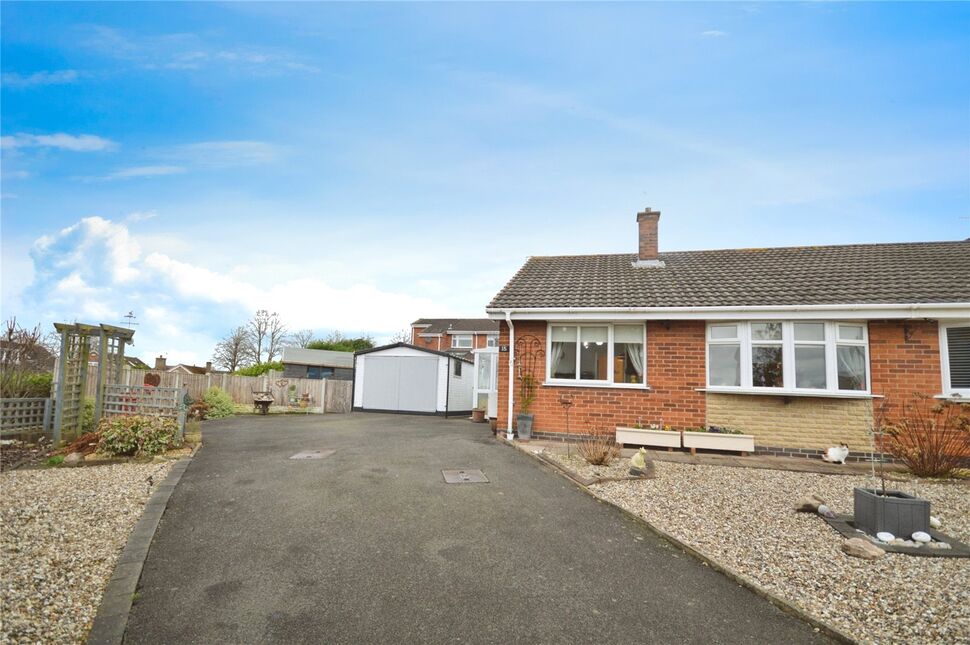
(370, 546)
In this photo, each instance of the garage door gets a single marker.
(407, 383)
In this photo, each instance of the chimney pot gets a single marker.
(647, 221)
(160, 363)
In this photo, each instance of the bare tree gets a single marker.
(403, 336)
(300, 338)
(232, 352)
(266, 335)
(23, 362)
(276, 338)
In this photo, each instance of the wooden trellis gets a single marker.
(72, 372)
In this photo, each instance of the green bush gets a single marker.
(87, 417)
(138, 436)
(219, 402)
(38, 385)
(262, 368)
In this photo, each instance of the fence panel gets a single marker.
(338, 396)
(19, 417)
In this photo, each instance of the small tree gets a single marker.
(931, 438)
(232, 352)
(301, 338)
(403, 336)
(25, 364)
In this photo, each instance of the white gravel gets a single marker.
(61, 532)
(744, 518)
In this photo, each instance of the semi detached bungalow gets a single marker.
(796, 346)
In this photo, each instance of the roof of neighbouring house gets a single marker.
(456, 325)
(906, 273)
(317, 357)
(191, 369)
(136, 363)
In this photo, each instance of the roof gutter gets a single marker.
(508, 319)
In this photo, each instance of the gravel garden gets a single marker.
(745, 520)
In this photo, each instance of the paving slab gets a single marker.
(370, 545)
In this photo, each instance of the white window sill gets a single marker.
(599, 384)
(955, 398)
(774, 392)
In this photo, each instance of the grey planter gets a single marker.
(895, 512)
(523, 423)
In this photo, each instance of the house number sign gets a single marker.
(503, 348)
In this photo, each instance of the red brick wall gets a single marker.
(675, 368)
(478, 340)
(904, 358)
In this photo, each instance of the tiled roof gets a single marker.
(317, 357)
(456, 325)
(922, 272)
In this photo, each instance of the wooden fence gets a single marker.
(324, 395)
(25, 418)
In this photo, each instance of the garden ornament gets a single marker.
(639, 459)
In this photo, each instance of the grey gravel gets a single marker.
(61, 532)
(744, 518)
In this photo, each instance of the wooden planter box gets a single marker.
(743, 443)
(895, 512)
(644, 437)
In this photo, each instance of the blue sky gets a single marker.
(355, 166)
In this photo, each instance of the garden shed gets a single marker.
(412, 380)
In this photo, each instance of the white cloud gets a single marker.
(60, 140)
(137, 172)
(97, 251)
(60, 77)
(141, 216)
(714, 33)
(222, 154)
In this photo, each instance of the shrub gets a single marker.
(55, 460)
(87, 417)
(599, 448)
(931, 438)
(139, 436)
(219, 402)
(261, 368)
(199, 410)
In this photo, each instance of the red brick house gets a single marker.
(456, 335)
(792, 345)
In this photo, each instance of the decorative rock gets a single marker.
(73, 459)
(809, 504)
(935, 522)
(920, 536)
(939, 545)
(885, 536)
(859, 548)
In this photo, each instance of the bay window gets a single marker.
(810, 356)
(596, 354)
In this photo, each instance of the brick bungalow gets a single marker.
(793, 345)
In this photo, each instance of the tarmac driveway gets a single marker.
(369, 545)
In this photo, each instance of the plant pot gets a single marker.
(743, 443)
(895, 512)
(493, 424)
(647, 437)
(523, 423)
(478, 416)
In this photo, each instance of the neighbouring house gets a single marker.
(796, 346)
(136, 363)
(455, 335)
(414, 380)
(317, 364)
(161, 365)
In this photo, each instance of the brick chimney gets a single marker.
(647, 221)
(160, 363)
(208, 366)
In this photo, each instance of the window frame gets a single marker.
(491, 340)
(610, 355)
(948, 390)
(455, 337)
(788, 342)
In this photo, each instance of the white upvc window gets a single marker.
(491, 340)
(596, 354)
(461, 341)
(955, 358)
(804, 357)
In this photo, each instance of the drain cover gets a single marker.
(313, 454)
(464, 477)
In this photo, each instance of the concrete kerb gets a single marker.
(783, 604)
(111, 620)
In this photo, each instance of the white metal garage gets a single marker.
(413, 380)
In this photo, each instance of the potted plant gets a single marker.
(527, 395)
(655, 435)
(478, 415)
(718, 438)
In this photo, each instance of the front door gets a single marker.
(486, 381)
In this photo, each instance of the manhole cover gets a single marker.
(464, 477)
(313, 454)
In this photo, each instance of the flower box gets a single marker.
(645, 437)
(743, 443)
(894, 512)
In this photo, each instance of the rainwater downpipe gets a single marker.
(508, 319)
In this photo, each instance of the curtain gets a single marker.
(852, 367)
(555, 358)
(635, 354)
